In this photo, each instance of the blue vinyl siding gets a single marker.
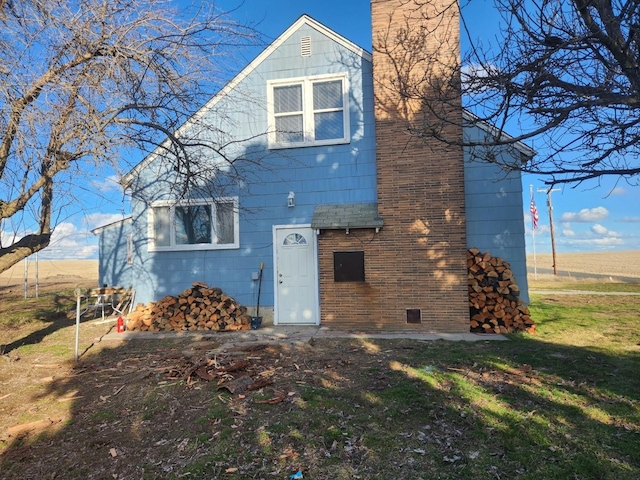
(494, 213)
(113, 269)
(318, 175)
(344, 173)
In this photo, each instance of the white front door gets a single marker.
(296, 284)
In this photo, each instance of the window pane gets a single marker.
(294, 239)
(329, 125)
(289, 129)
(225, 223)
(161, 229)
(193, 224)
(327, 95)
(287, 99)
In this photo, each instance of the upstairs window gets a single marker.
(203, 224)
(308, 111)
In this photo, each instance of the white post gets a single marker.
(37, 282)
(78, 300)
(26, 281)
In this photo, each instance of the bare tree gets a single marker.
(563, 77)
(83, 81)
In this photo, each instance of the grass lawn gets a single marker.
(561, 404)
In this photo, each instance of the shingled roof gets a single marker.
(346, 215)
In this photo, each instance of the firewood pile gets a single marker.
(494, 303)
(198, 308)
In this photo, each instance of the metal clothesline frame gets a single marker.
(119, 299)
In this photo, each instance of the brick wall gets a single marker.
(418, 259)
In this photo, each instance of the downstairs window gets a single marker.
(203, 224)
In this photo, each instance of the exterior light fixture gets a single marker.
(291, 199)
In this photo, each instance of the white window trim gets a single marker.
(172, 225)
(307, 110)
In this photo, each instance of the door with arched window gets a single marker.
(296, 284)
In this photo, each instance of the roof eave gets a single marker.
(524, 149)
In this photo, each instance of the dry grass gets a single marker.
(615, 264)
(53, 275)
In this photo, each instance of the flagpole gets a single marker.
(533, 237)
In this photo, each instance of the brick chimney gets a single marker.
(420, 179)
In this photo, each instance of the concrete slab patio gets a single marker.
(298, 333)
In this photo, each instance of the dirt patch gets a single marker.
(161, 409)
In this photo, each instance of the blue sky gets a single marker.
(594, 216)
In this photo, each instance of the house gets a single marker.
(357, 224)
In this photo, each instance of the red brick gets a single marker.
(418, 259)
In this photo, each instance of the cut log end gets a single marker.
(197, 308)
(494, 306)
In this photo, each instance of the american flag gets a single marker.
(534, 213)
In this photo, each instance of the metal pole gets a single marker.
(78, 297)
(553, 237)
(533, 238)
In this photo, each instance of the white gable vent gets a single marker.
(305, 46)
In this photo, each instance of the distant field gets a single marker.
(52, 274)
(621, 264)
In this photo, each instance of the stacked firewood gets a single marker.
(198, 308)
(494, 303)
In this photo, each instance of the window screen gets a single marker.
(288, 110)
(327, 95)
(327, 106)
(309, 111)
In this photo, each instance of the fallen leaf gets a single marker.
(231, 470)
